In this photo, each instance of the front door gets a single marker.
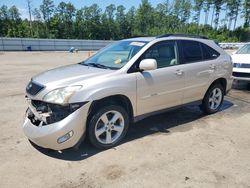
(161, 88)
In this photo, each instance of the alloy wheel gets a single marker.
(109, 127)
(215, 98)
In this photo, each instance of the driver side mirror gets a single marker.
(148, 64)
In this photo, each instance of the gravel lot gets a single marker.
(181, 148)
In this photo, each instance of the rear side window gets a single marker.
(209, 53)
(191, 51)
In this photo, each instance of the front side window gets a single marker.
(165, 54)
(191, 51)
(116, 55)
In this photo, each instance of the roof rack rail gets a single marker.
(181, 35)
(137, 36)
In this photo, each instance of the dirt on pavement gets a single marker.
(180, 148)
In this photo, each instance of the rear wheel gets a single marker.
(108, 126)
(213, 99)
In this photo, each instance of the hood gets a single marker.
(241, 58)
(69, 74)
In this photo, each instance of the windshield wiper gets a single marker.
(100, 66)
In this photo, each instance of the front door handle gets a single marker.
(179, 72)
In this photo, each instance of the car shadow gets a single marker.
(158, 124)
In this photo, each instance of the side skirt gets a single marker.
(143, 116)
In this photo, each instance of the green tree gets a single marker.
(15, 20)
(233, 12)
(90, 22)
(160, 15)
(144, 18)
(38, 25)
(246, 13)
(80, 29)
(4, 20)
(218, 5)
(92, 17)
(122, 23)
(63, 20)
(30, 20)
(186, 7)
(47, 10)
(197, 9)
(206, 7)
(130, 17)
(108, 20)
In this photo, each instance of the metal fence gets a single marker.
(29, 44)
(231, 45)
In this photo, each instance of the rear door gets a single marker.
(200, 65)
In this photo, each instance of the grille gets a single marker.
(241, 65)
(241, 74)
(34, 88)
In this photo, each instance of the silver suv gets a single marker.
(123, 83)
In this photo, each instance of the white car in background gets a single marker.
(241, 63)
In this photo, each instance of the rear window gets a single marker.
(191, 51)
(209, 53)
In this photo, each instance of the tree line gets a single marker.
(65, 21)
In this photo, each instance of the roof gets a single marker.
(146, 39)
(176, 35)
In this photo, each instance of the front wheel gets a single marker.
(108, 126)
(213, 99)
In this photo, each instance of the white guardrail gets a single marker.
(33, 44)
(231, 45)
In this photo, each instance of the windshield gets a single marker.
(116, 55)
(244, 50)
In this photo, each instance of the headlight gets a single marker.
(61, 95)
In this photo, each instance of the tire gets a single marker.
(213, 99)
(108, 126)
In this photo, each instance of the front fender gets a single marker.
(124, 84)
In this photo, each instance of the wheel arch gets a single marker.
(221, 81)
(118, 99)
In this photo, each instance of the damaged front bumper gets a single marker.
(55, 126)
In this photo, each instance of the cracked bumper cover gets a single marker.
(47, 136)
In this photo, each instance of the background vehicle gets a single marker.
(124, 82)
(241, 63)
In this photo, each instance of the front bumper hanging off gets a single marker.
(55, 126)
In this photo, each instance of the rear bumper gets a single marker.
(47, 136)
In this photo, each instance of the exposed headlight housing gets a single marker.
(61, 95)
(48, 113)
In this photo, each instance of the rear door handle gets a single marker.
(179, 72)
(212, 66)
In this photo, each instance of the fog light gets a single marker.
(65, 137)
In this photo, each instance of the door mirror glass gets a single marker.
(148, 64)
